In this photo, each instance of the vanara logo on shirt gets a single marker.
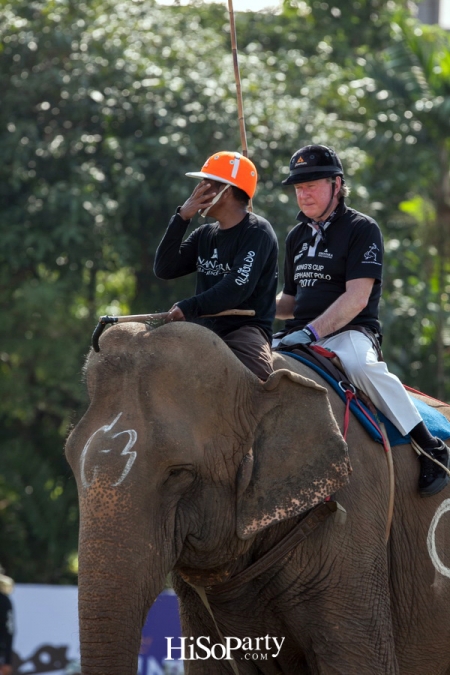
(211, 267)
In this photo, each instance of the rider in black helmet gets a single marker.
(313, 162)
(331, 294)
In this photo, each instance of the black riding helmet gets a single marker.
(312, 163)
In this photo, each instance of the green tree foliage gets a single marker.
(413, 80)
(105, 106)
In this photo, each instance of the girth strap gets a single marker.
(314, 518)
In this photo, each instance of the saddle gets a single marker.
(328, 366)
(331, 364)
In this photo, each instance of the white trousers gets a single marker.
(360, 362)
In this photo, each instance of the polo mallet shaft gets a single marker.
(142, 318)
(237, 78)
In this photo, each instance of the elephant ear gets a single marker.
(298, 457)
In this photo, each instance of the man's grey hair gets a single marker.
(344, 191)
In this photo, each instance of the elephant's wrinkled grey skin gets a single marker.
(185, 461)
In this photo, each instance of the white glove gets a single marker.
(299, 337)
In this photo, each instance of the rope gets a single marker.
(350, 395)
(420, 451)
(315, 517)
(416, 391)
(390, 513)
(202, 594)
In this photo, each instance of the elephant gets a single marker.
(186, 462)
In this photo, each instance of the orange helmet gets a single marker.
(231, 168)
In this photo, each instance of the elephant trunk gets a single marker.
(109, 631)
(121, 573)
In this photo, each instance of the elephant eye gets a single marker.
(185, 470)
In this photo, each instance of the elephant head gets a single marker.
(181, 459)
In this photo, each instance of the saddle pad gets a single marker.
(436, 423)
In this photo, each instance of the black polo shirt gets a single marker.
(237, 268)
(316, 271)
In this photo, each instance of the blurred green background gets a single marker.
(104, 106)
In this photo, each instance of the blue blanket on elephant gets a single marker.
(435, 421)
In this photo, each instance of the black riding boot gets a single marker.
(432, 478)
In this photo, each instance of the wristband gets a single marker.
(313, 331)
(186, 220)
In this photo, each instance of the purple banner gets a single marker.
(162, 622)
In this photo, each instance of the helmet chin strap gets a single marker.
(204, 213)
(333, 186)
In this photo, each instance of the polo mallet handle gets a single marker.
(237, 77)
(231, 312)
(142, 318)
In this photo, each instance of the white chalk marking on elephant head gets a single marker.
(431, 539)
(298, 455)
(126, 451)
